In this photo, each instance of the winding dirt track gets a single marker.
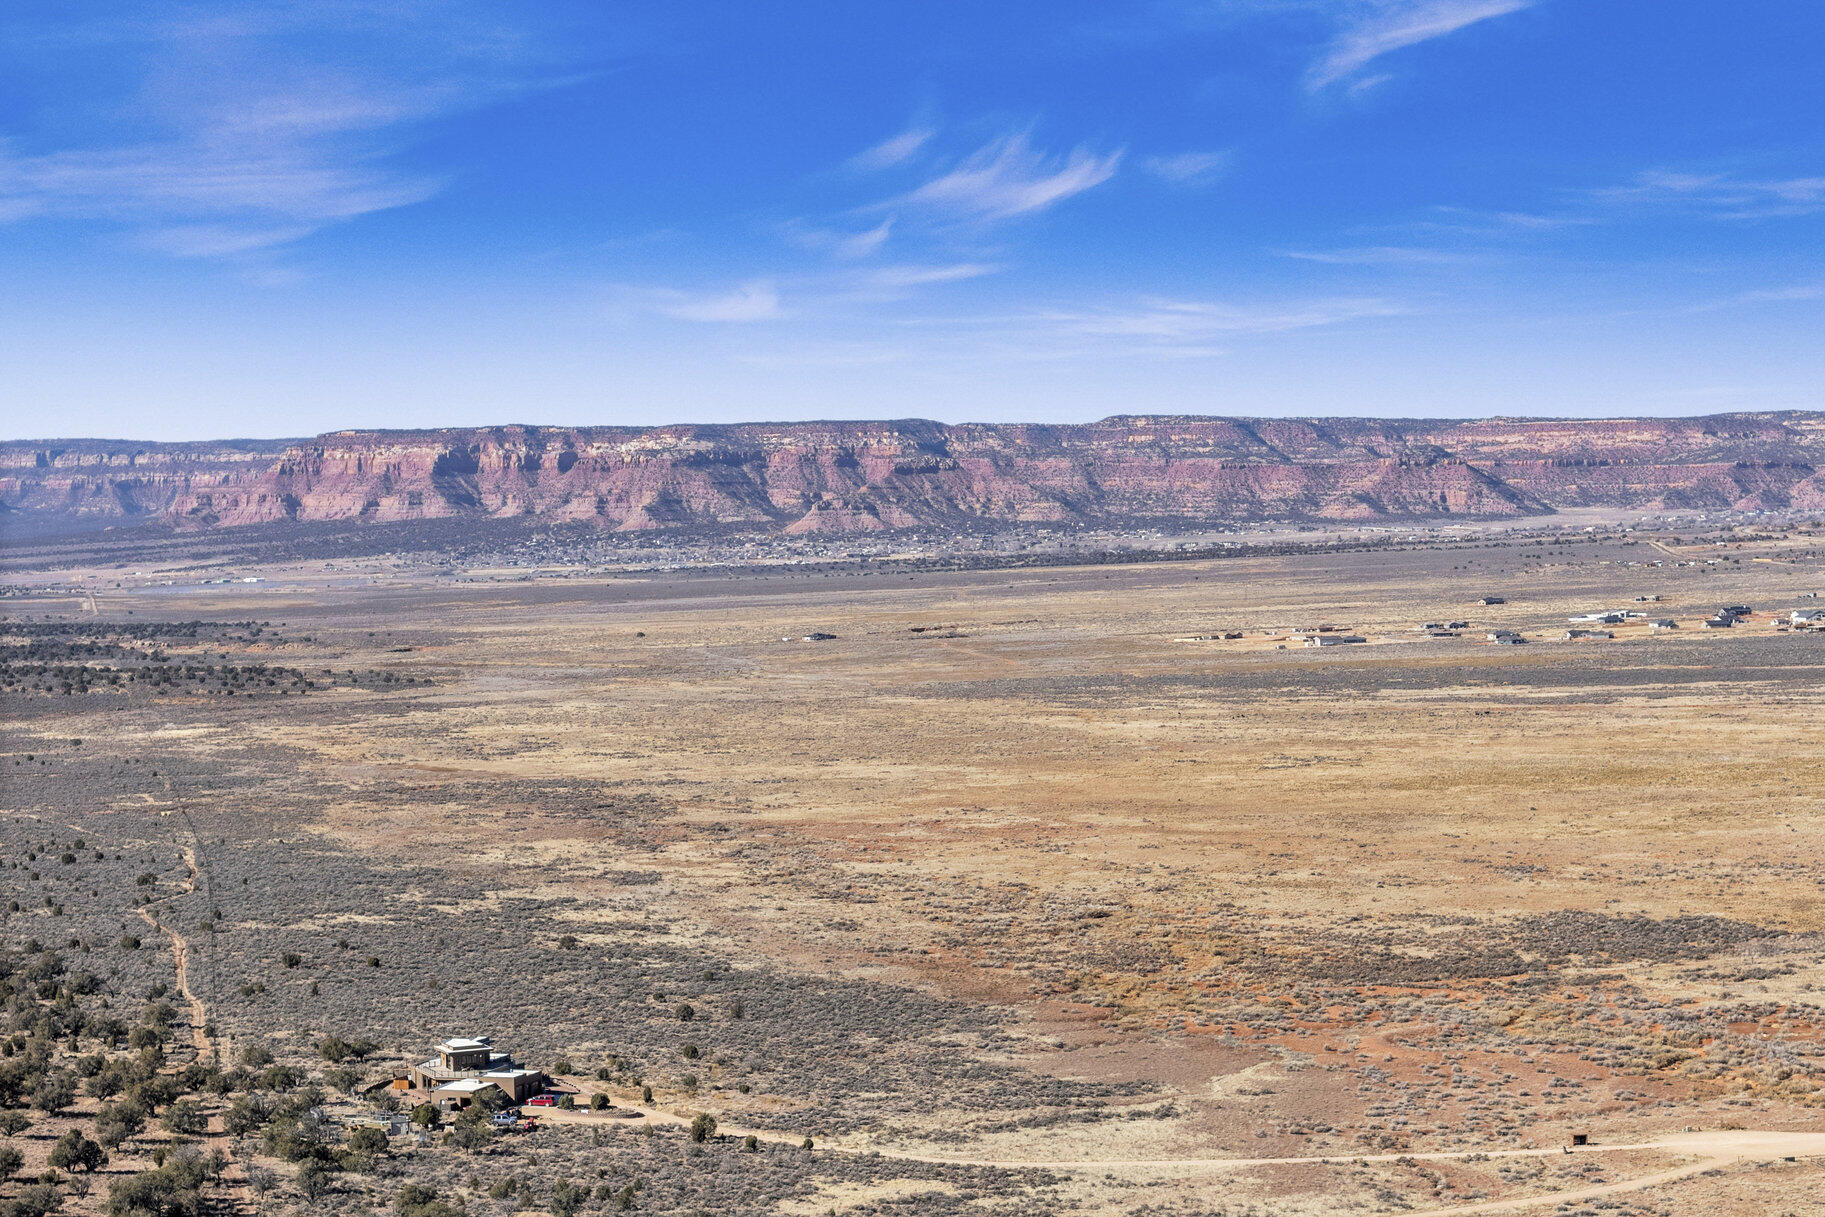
(180, 961)
(1708, 1150)
(217, 1135)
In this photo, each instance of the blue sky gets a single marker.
(241, 219)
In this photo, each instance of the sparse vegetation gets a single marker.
(1444, 916)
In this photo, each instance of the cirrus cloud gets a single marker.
(213, 130)
(756, 300)
(1188, 168)
(1008, 177)
(1390, 27)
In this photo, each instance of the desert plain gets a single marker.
(1066, 889)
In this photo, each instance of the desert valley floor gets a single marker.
(1024, 891)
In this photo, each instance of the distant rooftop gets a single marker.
(465, 1045)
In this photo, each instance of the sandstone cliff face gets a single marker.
(66, 485)
(843, 477)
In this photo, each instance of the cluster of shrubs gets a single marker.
(855, 1051)
(68, 890)
(658, 1170)
(63, 1038)
(76, 657)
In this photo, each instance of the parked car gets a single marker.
(543, 1100)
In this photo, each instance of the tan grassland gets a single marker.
(1254, 883)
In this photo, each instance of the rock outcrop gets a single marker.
(847, 477)
(73, 485)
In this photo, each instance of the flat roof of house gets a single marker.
(463, 1045)
(510, 1073)
(468, 1085)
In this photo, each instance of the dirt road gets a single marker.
(1716, 1150)
(217, 1134)
(1577, 1194)
(180, 962)
(1707, 1151)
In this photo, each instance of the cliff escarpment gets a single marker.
(844, 477)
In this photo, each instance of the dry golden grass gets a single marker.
(1047, 797)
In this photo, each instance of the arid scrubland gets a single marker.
(1026, 891)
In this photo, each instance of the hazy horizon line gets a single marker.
(909, 419)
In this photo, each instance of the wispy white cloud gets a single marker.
(220, 240)
(828, 294)
(1140, 328)
(862, 244)
(254, 128)
(1470, 219)
(193, 200)
(1783, 295)
(1393, 25)
(756, 300)
(1176, 321)
(896, 150)
(1720, 195)
(912, 275)
(1188, 168)
(1656, 193)
(825, 355)
(1008, 177)
(1798, 293)
(848, 246)
(1378, 255)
